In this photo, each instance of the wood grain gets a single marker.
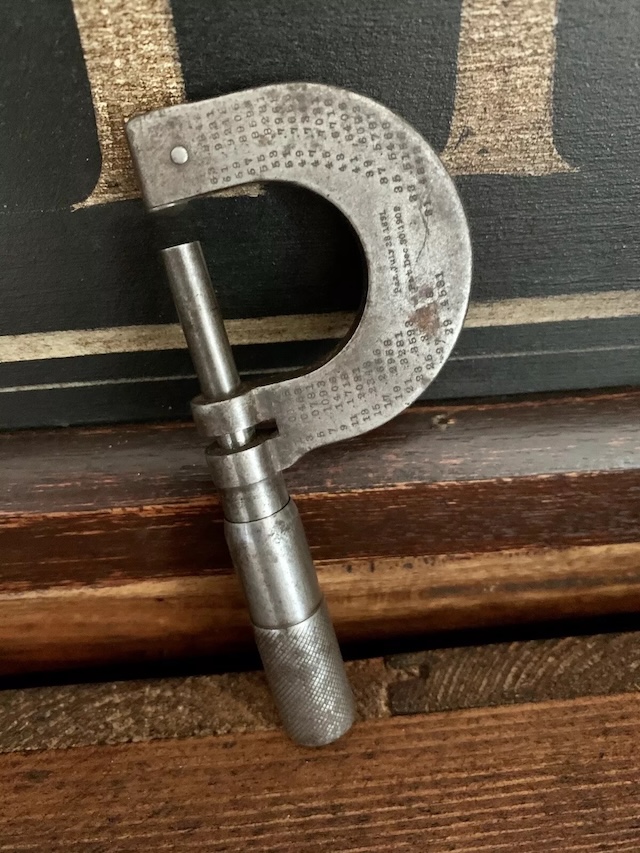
(449, 517)
(438, 679)
(447, 679)
(88, 469)
(191, 617)
(549, 776)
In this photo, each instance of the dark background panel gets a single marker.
(535, 373)
(252, 359)
(49, 153)
(596, 113)
(597, 86)
(286, 252)
(149, 400)
(124, 401)
(88, 268)
(403, 53)
(545, 236)
(290, 252)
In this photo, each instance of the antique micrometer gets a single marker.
(404, 208)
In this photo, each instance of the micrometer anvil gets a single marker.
(405, 210)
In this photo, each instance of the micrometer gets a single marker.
(392, 188)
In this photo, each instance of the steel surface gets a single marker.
(404, 208)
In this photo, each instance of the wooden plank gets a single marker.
(430, 681)
(448, 679)
(449, 517)
(528, 744)
(84, 477)
(160, 463)
(193, 617)
(537, 777)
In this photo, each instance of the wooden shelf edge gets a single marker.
(450, 517)
(205, 617)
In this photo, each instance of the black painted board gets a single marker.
(288, 252)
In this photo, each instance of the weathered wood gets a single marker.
(449, 517)
(136, 502)
(122, 466)
(199, 764)
(559, 775)
(192, 617)
(440, 679)
(514, 672)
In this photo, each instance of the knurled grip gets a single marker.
(307, 677)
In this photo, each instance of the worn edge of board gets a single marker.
(468, 515)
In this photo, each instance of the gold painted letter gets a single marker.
(132, 61)
(502, 120)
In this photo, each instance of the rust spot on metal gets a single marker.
(426, 319)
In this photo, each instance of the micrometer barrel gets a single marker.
(293, 629)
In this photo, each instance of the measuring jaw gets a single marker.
(404, 208)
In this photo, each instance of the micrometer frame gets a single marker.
(400, 201)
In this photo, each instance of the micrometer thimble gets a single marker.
(404, 208)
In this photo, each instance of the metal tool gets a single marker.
(404, 208)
